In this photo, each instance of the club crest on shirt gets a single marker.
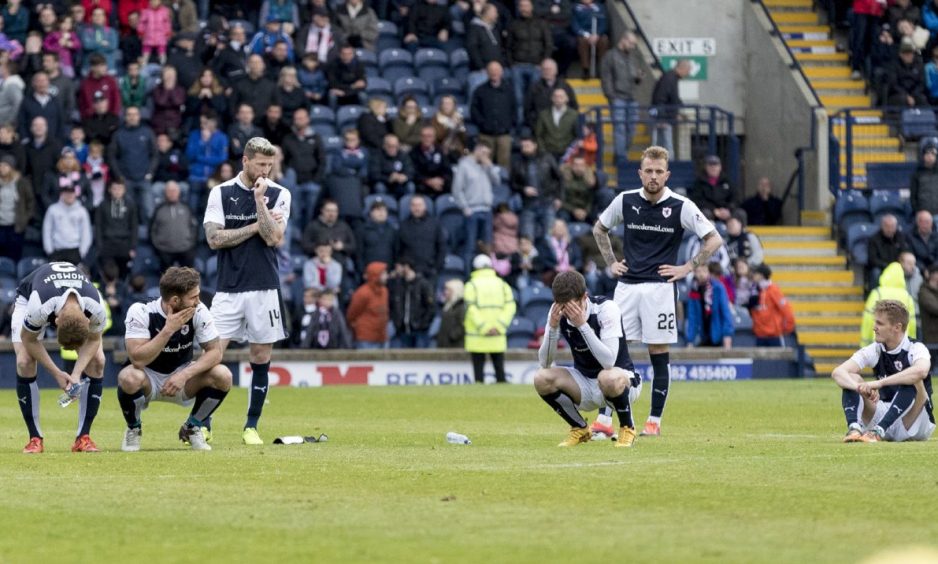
(185, 330)
(666, 212)
(898, 364)
(266, 199)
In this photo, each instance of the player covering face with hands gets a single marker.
(602, 372)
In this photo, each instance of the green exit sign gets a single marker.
(698, 66)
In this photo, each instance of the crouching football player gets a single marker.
(602, 369)
(159, 339)
(896, 406)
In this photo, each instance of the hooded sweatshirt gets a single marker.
(891, 287)
(368, 311)
(473, 185)
(66, 227)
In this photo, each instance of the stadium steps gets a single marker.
(589, 94)
(828, 71)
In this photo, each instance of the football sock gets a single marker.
(27, 394)
(850, 399)
(564, 406)
(623, 408)
(257, 394)
(604, 416)
(660, 383)
(901, 402)
(207, 401)
(131, 406)
(88, 403)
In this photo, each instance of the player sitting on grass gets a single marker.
(159, 339)
(602, 369)
(897, 405)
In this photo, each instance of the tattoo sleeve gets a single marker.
(601, 234)
(711, 242)
(267, 228)
(219, 238)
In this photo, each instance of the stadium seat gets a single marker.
(520, 333)
(431, 64)
(411, 86)
(850, 201)
(917, 123)
(395, 64)
(741, 318)
(501, 194)
(885, 202)
(446, 203)
(744, 338)
(535, 294)
(578, 229)
(348, 117)
(404, 206)
(454, 268)
(454, 263)
(889, 176)
(297, 261)
(29, 264)
(388, 36)
(683, 175)
(321, 115)
(459, 64)
(7, 296)
(860, 253)
(380, 88)
(390, 202)
(448, 86)
(860, 232)
(146, 261)
(7, 267)
(8, 282)
(369, 60)
(333, 143)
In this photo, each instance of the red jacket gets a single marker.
(869, 7)
(91, 5)
(368, 313)
(773, 317)
(124, 9)
(105, 84)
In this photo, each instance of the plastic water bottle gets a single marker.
(70, 395)
(457, 439)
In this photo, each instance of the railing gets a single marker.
(641, 34)
(867, 145)
(794, 64)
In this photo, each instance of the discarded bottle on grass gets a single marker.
(70, 395)
(457, 439)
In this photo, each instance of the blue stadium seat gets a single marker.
(411, 86)
(683, 174)
(404, 207)
(888, 202)
(380, 88)
(917, 123)
(390, 202)
(446, 203)
(501, 194)
(7, 296)
(29, 264)
(324, 129)
(459, 63)
(146, 261)
(332, 143)
(321, 115)
(860, 253)
(744, 338)
(431, 64)
(388, 36)
(7, 267)
(449, 86)
(578, 228)
(395, 64)
(369, 60)
(454, 263)
(535, 294)
(454, 268)
(348, 116)
(8, 282)
(741, 318)
(850, 201)
(889, 176)
(297, 261)
(537, 312)
(860, 232)
(520, 333)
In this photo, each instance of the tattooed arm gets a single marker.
(268, 227)
(711, 242)
(601, 234)
(219, 238)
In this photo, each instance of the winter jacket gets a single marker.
(305, 154)
(41, 159)
(891, 287)
(11, 96)
(745, 245)
(721, 316)
(548, 181)
(578, 191)
(101, 40)
(538, 98)
(133, 93)
(583, 18)
(25, 207)
(619, 74)
(382, 165)
(257, 93)
(66, 227)
(883, 251)
(473, 185)
(452, 332)
(115, 226)
(342, 76)
(171, 165)
(493, 108)
(666, 94)
(285, 11)
(325, 330)
(484, 45)
(929, 17)
(363, 25)
(311, 275)
(155, 26)
(530, 41)
(100, 127)
(317, 230)
(906, 80)
(168, 104)
(368, 310)
(204, 157)
(710, 197)
(53, 111)
(133, 153)
(490, 304)
(557, 138)
(925, 250)
(505, 233)
(924, 189)
(423, 240)
(15, 25)
(772, 314)
(105, 84)
(53, 180)
(53, 44)
(427, 20)
(412, 304)
(238, 137)
(173, 228)
(431, 164)
(263, 42)
(764, 212)
(408, 133)
(549, 258)
(928, 305)
(376, 242)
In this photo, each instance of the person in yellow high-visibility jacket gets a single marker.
(69, 356)
(891, 287)
(490, 307)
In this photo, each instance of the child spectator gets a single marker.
(322, 325)
(322, 272)
(155, 28)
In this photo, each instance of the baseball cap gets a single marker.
(712, 159)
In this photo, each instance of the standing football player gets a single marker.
(58, 294)
(245, 220)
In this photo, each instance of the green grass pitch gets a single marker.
(744, 472)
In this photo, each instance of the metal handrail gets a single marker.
(795, 65)
(641, 33)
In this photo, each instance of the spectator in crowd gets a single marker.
(902, 10)
(129, 43)
(15, 20)
(303, 152)
(97, 171)
(61, 87)
(390, 170)
(427, 25)
(772, 315)
(866, 15)
(504, 233)
(207, 148)
(490, 307)
(205, 95)
(740, 243)
(98, 37)
(558, 15)
(712, 191)
(285, 11)
(891, 287)
(530, 41)
(375, 237)
(98, 80)
(928, 306)
(169, 98)
(423, 240)
(578, 186)
(367, 313)
(664, 98)
(17, 208)
(905, 79)
(485, 46)
(323, 326)
(620, 76)
(230, 57)
(742, 282)
(173, 230)
(66, 228)
(241, 131)
(493, 111)
(764, 208)
(473, 185)
(255, 89)
(433, 169)
(76, 140)
(527, 265)
(536, 178)
(539, 95)
(102, 123)
(11, 93)
(591, 29)
(450, 128)
(373, 125)
(557, 127)
(322, 272)
(924, 183)
(272, 125)
(709, 317)
(41, 152)
(115, 229)
(264, 40)
(64, 42)
(155, 28)
(67, 172)
(133, 156)
(558, 252)
(348, 173)
(328, 227)
(279, 58)
(172, 165)
(346, 77)
(11, 145)
(885, 246)
(913, 276)
(290, 93)
(319, 38)
(931, 77)
(408, 122)
(359, 23)
(412, 306)
(312, 79)
(133, 87)
(41, 102)
(923, 241)
(452, 332)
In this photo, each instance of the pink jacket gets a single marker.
(156, 26)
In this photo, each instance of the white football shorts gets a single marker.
(648, 312)
(253, 316)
